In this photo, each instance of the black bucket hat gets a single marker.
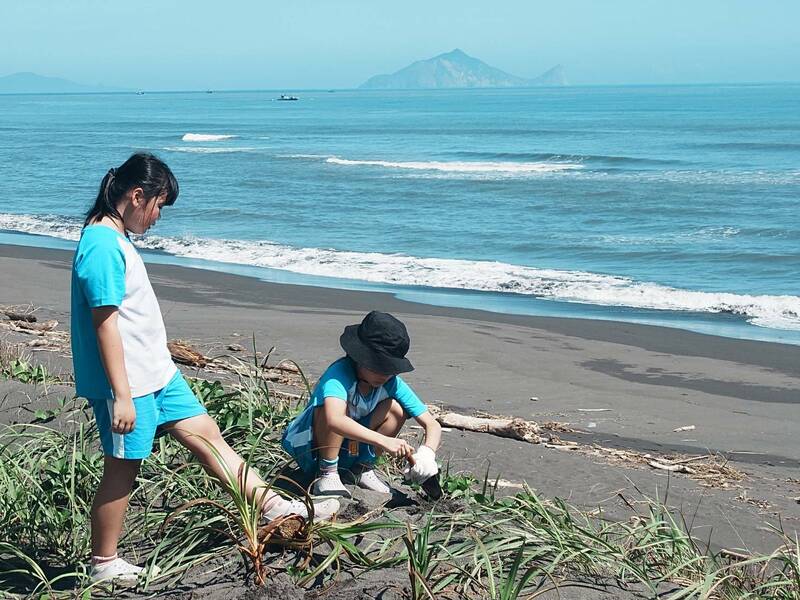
(380, 343)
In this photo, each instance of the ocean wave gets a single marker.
(461, 166)
(570, 158)
(780, 312)
(207, 149)
(751, 146)
(701, 177)
(206, 137)
(704, 234)
(49, 225)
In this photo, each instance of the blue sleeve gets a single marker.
(100, 270)
(333, 388)
(333, 383)
(406, 397)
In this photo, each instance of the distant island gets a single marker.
(456, 69)
(31, 83)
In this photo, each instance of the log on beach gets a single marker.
(514, 428)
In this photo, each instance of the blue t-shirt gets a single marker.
(108, 271)
(340, 381)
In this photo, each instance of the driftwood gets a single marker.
(708, 470)
(17, 316)
(285, 372)
(287, 366)
(674, 467)
(185, 354)
(33, 326)
(56, 339)
(514, 428)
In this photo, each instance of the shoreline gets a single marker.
(621, 385)
(490, 305)
(657, 338)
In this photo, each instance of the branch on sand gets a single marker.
(20, 319)
(710, 470)
(513, 428)
(285, 372)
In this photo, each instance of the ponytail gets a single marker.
(141, 170)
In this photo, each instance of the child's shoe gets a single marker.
(117, 570)
(330, 484)
(369, 480)
(323, 510)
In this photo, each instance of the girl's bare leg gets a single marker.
(200, 432)
(110, 503)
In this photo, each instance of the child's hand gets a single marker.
(397, 447)
(423, 465)
(124, 417)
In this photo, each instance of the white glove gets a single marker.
(424, 467)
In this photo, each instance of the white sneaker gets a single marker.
(369, 480)
(330, 485)
(323, 510)
(118, 570)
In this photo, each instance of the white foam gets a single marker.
(207, 149)
(205, 137)
(705, 234)
(779, 312)
(462, 166)
(699, 177)
(53, 226)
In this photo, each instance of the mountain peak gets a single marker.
(454, 53)
(457, 69)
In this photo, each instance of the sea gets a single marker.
(666, 205)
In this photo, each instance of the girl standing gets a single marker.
(122, 364)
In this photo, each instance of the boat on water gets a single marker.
(287, 98)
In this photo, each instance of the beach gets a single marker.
(618, 386)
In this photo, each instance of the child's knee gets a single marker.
(196, 431)
(388, 417)
(397, 411)
(209, 431)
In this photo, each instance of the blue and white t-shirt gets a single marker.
(108, 271)
(340, 381)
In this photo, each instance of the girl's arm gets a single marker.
(336, 417)
(433, 431)
(109, 342)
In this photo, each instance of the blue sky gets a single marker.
(178, 44)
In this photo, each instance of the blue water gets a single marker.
(662, 204)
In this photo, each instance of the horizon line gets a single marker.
(359, 89)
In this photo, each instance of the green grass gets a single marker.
(180, 519)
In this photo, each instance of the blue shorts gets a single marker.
(366, 452)
(173, 402)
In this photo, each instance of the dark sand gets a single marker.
(742, 396)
